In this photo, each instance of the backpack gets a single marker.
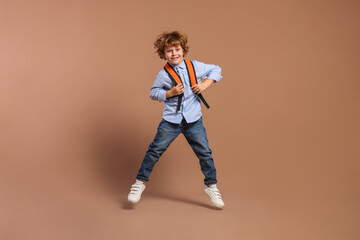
(175, 78)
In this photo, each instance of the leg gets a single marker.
(165, 135)
(195, 134)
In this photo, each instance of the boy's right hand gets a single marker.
(176, 90)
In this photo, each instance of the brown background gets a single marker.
(76, 120)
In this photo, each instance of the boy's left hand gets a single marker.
(200, 87)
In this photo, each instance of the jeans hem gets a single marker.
(210, 182)
(142, 179)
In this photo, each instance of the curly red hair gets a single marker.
(171, 39)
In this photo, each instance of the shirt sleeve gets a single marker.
(209, 71)
(158, 91)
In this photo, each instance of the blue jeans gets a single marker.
(194, 133)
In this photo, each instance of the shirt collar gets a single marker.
(181, 66)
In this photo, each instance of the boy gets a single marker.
(182, 112)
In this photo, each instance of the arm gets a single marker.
(200, 87)
(208, 73)
(157, 91)
(176, 90)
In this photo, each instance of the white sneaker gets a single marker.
(135, 192)
(215, 196)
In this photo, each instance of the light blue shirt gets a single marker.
(191, 103)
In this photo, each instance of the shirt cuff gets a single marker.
(215, 77)
(162, 96)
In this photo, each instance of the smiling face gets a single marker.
(174, 55)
